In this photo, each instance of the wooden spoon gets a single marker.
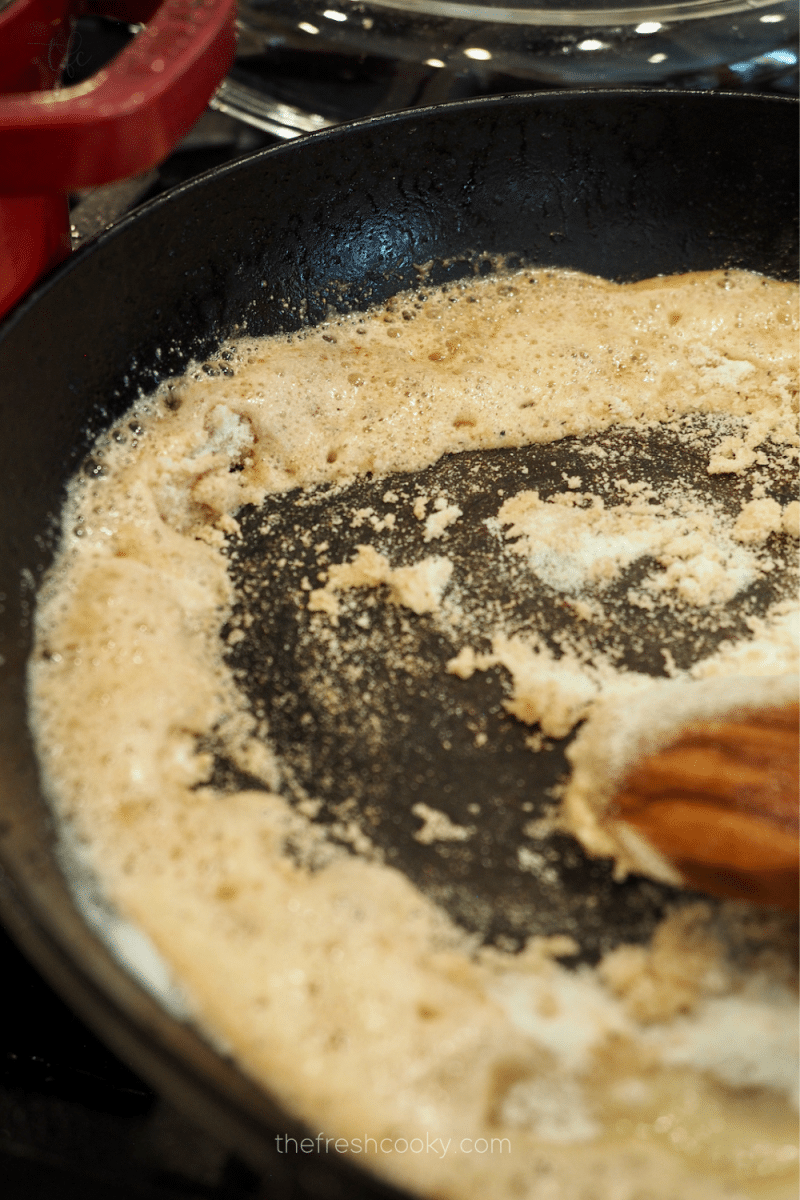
(695, 784)
(721, 804)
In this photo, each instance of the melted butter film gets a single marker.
(352, 996)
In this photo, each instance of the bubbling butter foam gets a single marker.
(356, 1000)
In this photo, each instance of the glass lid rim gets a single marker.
(682, 10)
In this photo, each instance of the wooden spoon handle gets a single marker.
(721, 803)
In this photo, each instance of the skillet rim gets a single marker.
(334, 133)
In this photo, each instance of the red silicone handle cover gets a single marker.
(128, 116)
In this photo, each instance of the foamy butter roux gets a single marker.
(342, 988)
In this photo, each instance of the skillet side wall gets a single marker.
(626, 185)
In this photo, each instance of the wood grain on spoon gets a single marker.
(721, 803)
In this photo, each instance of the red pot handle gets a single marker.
(128, 116)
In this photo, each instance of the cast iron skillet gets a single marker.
(624, 185)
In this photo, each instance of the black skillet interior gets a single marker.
(369, 722)
(624, 185)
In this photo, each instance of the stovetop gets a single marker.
(75, 1122)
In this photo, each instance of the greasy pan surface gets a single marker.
(624, 185)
